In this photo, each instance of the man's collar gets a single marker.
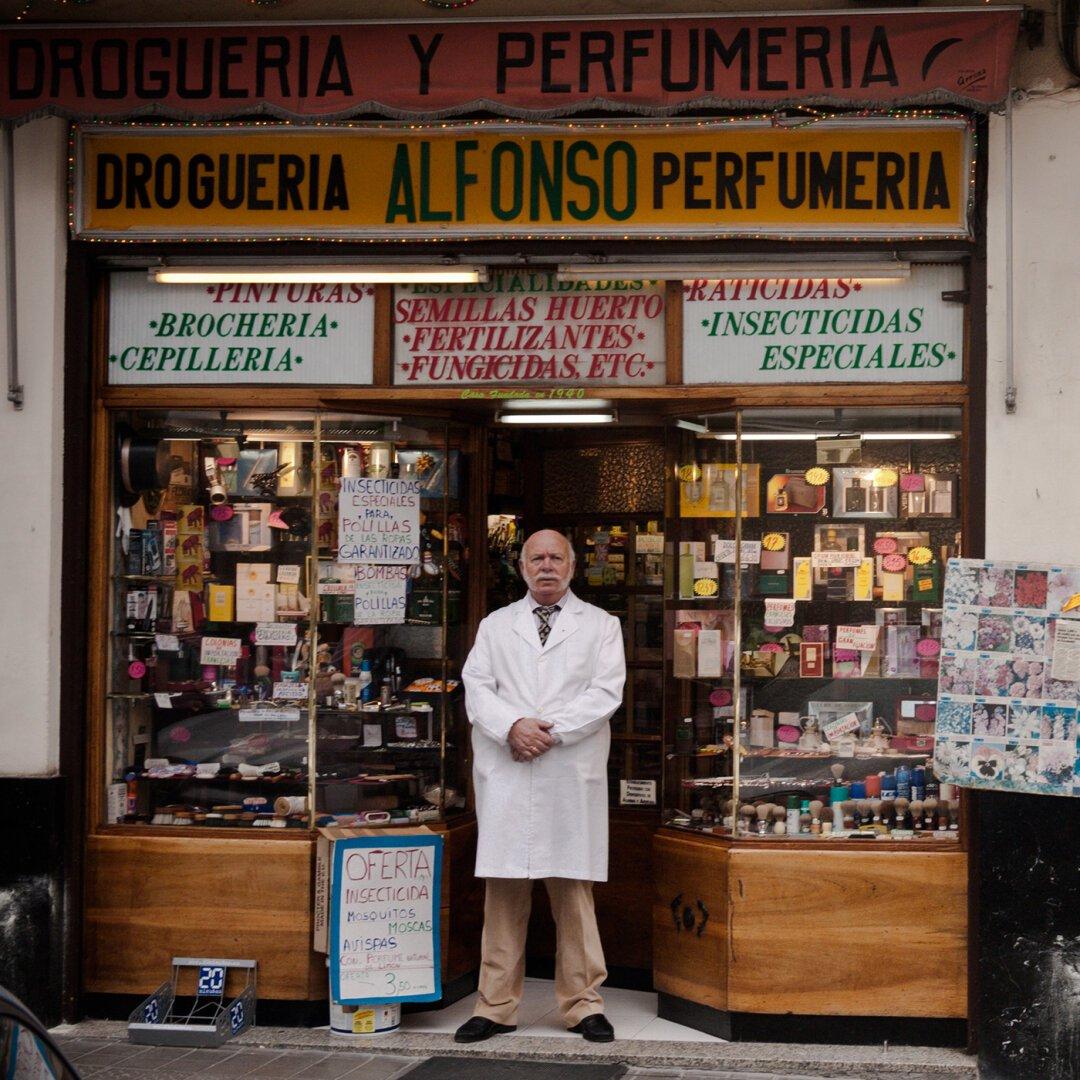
(560, 603)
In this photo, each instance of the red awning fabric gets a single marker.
(539, 68)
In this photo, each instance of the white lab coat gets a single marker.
(547, 817)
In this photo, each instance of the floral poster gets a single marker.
(1007, 701)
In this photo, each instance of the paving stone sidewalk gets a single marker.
(103, 1059)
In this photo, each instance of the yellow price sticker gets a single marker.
(884, 478)
(773, 542)
(817, 476)
(706, 587)
(920, 556)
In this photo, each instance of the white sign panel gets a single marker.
(526, 327)
(380, 594)
(378, 521)
(263, 334)
(814, 329)
(219, 650)
(384, 919)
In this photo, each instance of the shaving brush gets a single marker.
(887, 811)
(865, 813)
(838, 772)
(763, 812)
(747, 813)
(816, 807)
(875, 810)
(779, 814)
(929, 814)
(915, 809)
(901, 805)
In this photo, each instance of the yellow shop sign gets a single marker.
(886, 177)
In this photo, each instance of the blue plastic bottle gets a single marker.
(903, 782)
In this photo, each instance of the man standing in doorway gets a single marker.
(541, 682)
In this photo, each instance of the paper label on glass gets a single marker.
(749, 551)
(706, 570)
(291, 691)
(857, 638)
(843, 725)
(380, 594)
(267, 714)
(710, 659)
(649, 543)
(405, 727)
(288, 575)
(166, 643)
(379, 521)
(219, 650)
(864, 580)
(837, 558)
(275, 634)
(779, 612)
(163, 701)
(637, 792)
(337, 588)
(373, 734)
(803, 579)
(1065, 664)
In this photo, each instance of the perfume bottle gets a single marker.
(855, 496)
(941, 498)
(876, 499)
(781, 501)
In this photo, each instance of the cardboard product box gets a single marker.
(912, 743)
(324, 860)
(425, 608)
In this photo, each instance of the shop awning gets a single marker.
(539, 68)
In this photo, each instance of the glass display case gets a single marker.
(286, 610)
(804, 634)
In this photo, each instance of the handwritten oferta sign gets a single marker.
(792, 329)
(384, 919)
(264, 334)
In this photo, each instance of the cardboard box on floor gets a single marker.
(324, 860)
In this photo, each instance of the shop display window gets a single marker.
(803, 636)
(260, 676)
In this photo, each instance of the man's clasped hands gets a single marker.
(529, 738)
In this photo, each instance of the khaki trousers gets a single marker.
(579, 956)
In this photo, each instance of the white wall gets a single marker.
(31, 449)
(1033, 455)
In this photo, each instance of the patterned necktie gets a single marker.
(545, 613)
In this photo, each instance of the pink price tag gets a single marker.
(912, 482)
(720, 697)
(222, 513)
(885, 545)
(928, 647)
(136, 669)
(785, 733)
(895, 563)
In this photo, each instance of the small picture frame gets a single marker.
(828, 712)
(859, 493)
(836, 536)
(789, 493)
(247, 530)
(712, 491)
(812, 660)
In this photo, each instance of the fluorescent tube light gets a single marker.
(555, 419)
(890, 269)
(359, 273)
(866, 436)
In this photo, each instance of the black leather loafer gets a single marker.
(595, 1028)
(480, 1028)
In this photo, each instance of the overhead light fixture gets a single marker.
(552, 404)
(863, 269)
(371, 274)
(556, 419)
(811, 436)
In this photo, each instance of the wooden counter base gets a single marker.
(151, 896)
(822, 932)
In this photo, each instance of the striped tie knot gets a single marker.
(544, 613)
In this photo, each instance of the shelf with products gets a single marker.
(221, 650)
(828, 587)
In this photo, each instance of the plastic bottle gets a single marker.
(918, 784)
(367, 686)
(903, 782)
(793, 815)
